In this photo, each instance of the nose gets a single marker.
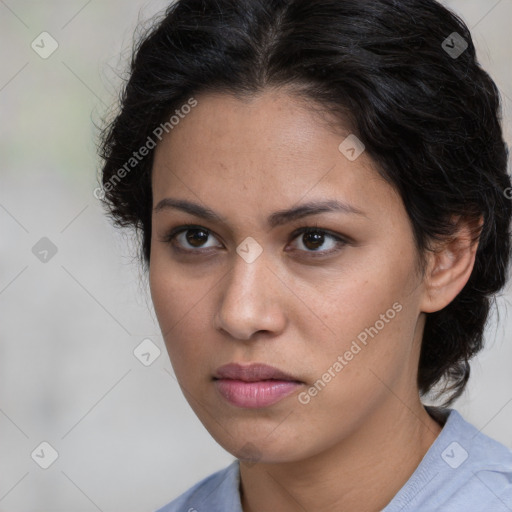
(251, 300)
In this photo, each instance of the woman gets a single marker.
(320, 189)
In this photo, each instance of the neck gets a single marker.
(361, 473)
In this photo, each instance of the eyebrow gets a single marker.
(275, 219)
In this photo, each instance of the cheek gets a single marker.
(371, 312)
(170, 296)
(355, 373)
(356, 299)
(180, 305)
(172, 293)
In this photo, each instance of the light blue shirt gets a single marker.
(463, 471)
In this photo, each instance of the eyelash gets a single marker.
(169, 238)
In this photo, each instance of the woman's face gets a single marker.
(342, 318)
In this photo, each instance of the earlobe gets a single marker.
(450, 265)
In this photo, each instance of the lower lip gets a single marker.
(254, 395)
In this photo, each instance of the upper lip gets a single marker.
(252, 372)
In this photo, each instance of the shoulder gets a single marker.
(219, 492)
(488, 469)
(470, 448)
(463, 470)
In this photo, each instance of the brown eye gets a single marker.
(196, 237)
(313, 239)
(189, 239)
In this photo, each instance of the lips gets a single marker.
(252, 373)
(254, 386)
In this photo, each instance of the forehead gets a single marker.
(266, 150)
(274, 119)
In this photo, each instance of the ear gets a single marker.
(450, 265)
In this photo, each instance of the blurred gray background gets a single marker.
(121, 435)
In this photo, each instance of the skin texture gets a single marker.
(356, 443)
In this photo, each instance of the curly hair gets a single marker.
(430, 119)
